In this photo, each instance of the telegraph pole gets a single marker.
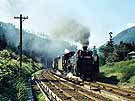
(21, 18)
(20, 44)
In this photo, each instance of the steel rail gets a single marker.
(114, 89)
(94, 96)
(70, 88)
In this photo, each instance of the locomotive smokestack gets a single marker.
(85, 45)
(85, 48)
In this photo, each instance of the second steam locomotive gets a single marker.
(83, 63)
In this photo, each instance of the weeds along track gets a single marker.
(66, 91)
(107, 90)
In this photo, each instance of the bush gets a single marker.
(124, 70)
(10, 82)
(132, 80)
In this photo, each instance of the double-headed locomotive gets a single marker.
(82, 63)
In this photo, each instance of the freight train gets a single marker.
(83, 63)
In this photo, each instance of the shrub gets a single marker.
(124, 70)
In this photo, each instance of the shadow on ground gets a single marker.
(111, 80)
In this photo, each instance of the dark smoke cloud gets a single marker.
(71, 31)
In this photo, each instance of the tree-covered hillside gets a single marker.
(115, 61)
(115, 53)
(10, 81)
(35, 45)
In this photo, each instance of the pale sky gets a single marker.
(100, 16)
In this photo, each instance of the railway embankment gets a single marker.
(10, 81)
(120, 73)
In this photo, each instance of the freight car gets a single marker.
(82, 63)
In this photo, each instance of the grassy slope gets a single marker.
(9, 81)
(124, 71)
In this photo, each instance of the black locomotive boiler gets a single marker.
(83, 63)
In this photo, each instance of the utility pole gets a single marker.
(20, 44)
(21, 18)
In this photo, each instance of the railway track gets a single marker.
(116, 93)
(59, 88)
(46, 91)
(121, 91)
(81, 90)
(65, 91)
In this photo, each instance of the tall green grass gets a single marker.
(124, 71)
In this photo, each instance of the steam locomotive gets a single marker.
(83, 63)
